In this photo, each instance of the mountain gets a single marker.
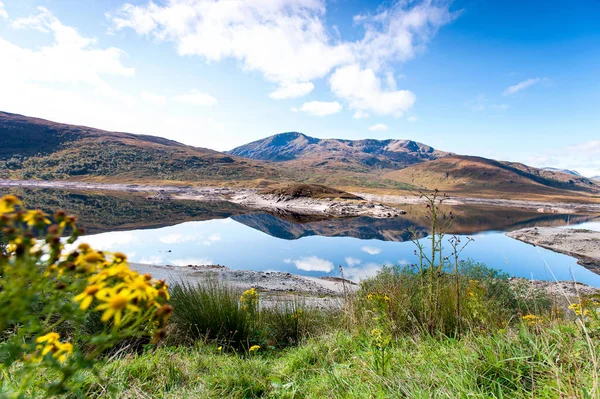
(567, 171)
(469, 174)
(298, 148)
(595, 178)
(37, 148)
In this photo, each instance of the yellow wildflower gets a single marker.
(578, 309)
(87, 296)
(254, 348)
(115, 304)
(36, 218)
(8, 203)
(531, 320)
(59, 350)
(49, 338)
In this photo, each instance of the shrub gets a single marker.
(47, 293)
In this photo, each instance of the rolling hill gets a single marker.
(476, 175)
(32, 148)
(360, 155)
(37, 148)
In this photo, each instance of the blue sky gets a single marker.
(506, 79)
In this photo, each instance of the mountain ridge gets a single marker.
(367, 153)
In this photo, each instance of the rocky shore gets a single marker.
(580, 243)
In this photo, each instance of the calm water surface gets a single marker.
(192, 233)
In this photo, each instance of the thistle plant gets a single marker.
(47, 294)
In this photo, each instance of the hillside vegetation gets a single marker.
(36, 148)
(468, 174)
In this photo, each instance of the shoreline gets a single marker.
(582, 244)
(378, 206)
(324, 292)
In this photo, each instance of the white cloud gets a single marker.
(72, 58)
(360, 115)
(399, 32)
(514, 89)
(153, 98)
(314, 264)
(362, 272)
(66, 81)
(362, 89)
(293, 90)
(380, 127)
(109, 241)
(212, 239)
(195, 98)
(371, 250)
(280, 38)
(191, 261)
(590, 148)
(583, 157)
(152, 260)
(351, 262)
(412, 119)
(287, 260)
(288, 41)
(320, 108)
(3, 13)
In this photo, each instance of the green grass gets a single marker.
(519, 363)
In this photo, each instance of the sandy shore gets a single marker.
(379, 206)
(579, 243)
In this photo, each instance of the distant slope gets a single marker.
(567, 171)
(336, 153)
(37, 148)
(477, 175)
(596, 179)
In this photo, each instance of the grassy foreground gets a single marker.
(550, 363)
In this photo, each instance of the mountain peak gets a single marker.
(337, 153)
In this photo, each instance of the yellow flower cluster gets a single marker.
(378, 297)
(579, 310)
(50, 343)
(249, 300)
(531, 319)
(121, 293)
(380, 339)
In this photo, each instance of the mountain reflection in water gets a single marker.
(185, 233)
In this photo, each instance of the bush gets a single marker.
(48, 293)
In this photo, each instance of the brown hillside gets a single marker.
(476, 175)
(32, 148)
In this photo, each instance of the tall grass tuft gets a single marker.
(211, 311)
